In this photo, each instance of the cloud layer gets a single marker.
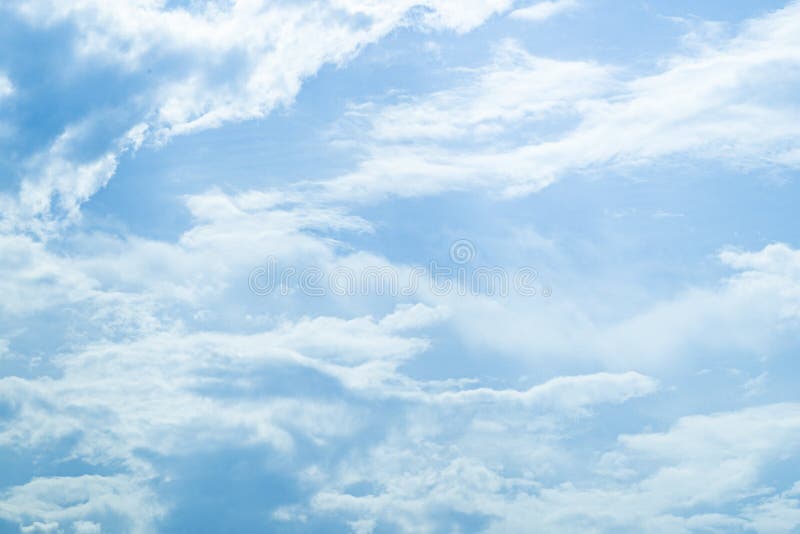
(145, 387)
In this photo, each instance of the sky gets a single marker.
(399, 266)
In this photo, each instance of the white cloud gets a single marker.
(47, 504)
(544, 10)
(717, 103)
(116, 400)
(567, 393)
(166, 403)
(515, 88)
(756, 385)
(160, 392)
(240, 60)
(55, 176)
(713, 461)
(772, 429)
(170, 408)
(147, 380)
(780, 513)
(776, 259)
(32, 279)
(754, 311)
(473, 449)
(86, 527)
(278, 44)
(6, 86)
(231, 235)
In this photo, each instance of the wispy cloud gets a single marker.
(715, 105)
(6, 86)
(544, 10)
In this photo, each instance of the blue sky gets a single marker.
(642, 158)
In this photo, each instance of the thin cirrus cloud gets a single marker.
(716, 104)
(544, 10)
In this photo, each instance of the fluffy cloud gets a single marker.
(714, 460)
(779, 513)
(181, 402)
(49, 504)
(33, 279)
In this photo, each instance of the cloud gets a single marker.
(47, 504)
(276, 45)
(754, 311)
(421, 485)
(612, 119)
(196, 392)
(172, 398)
(776, 259)
(544, 10)
(6, 86)
(200, 391)
(523, 122)
(132, 353)
(756, 385)
(779, 513)
(231, 235)
(516, 88)
(239, 61)
(569, 393)
(32, 279)
(86, 527)
(54, 175)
